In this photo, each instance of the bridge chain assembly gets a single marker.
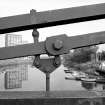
(46, 64)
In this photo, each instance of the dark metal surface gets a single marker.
(47, 82)
(52, 18)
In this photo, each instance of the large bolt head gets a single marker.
(58, 44)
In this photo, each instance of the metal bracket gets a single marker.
(49, 64)
(57, 45)
(33, 16)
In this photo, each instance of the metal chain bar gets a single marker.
(85, 40)
(40, 48)
(22, 51)
(51, 18)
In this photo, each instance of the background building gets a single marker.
(12, 40)
(12, 79)
(17, 73)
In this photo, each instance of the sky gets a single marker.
(16, 7)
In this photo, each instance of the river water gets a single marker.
(58, 83)
(36, 82)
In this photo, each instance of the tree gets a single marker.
(79, 56)
(102, 56)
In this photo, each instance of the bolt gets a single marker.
(35, 35)
(57, 61)
(58, 44)
(32, 11)
(36, 62)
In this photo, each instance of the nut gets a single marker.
(58, 44)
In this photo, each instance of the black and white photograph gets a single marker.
(52, 52)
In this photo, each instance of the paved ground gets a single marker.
(51, 95)
(53, 98)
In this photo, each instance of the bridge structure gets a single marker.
(53, 46)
